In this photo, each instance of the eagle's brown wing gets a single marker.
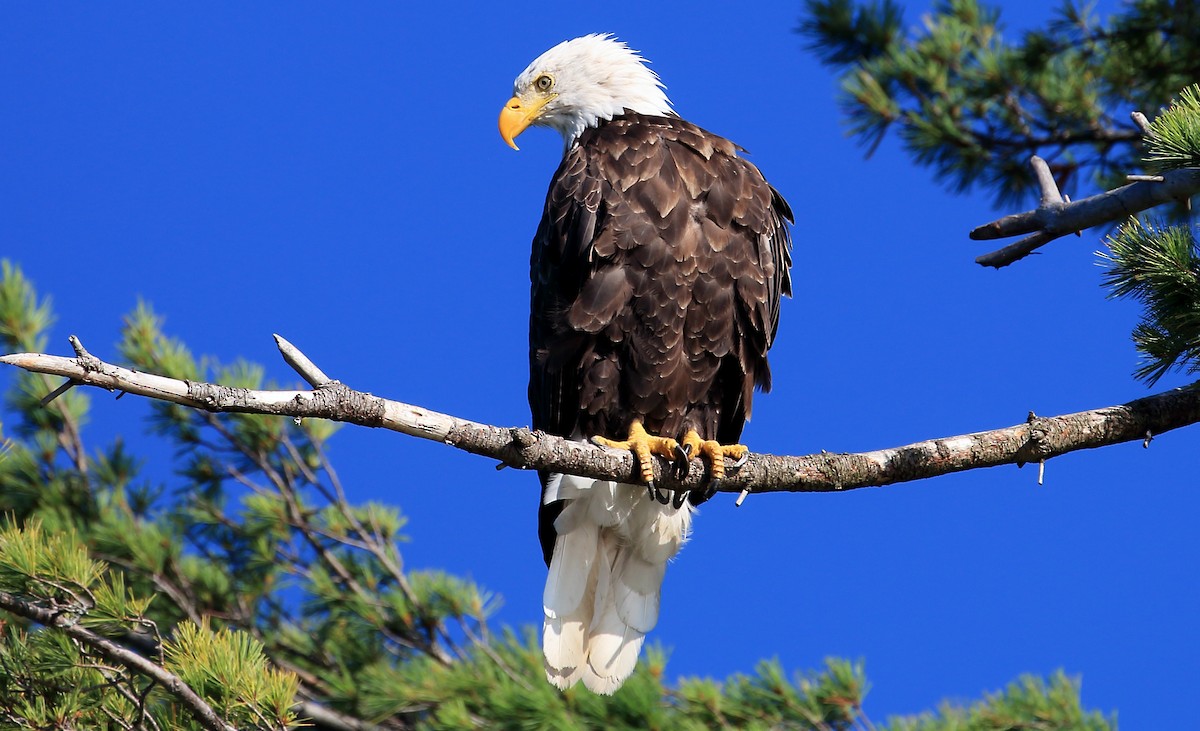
(657, 271)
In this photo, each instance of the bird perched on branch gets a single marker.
(657, 271)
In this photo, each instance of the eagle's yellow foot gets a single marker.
(643, 445)
(716, 452)
(692, 445)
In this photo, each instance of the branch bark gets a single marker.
(113, 652)
(1036, 440)
(1056, 217)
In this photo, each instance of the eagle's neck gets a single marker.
(572, 142)
(574, 126)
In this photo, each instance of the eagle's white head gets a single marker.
(579, 83)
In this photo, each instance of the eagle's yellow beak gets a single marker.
(518, 114)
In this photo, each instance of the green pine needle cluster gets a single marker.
(55, 682)
(24, 318)
(1159, 266)
(230, 669)
(1173, 141)
(1028, 703)
(251, 577)
(842, 33)
(46, 682)
(54, 568)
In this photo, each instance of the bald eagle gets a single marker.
(657, 271)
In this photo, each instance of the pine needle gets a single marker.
(1173, 141)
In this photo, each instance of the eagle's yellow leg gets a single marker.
(643, 445)
(716, 452)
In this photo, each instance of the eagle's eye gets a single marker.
(544, 83)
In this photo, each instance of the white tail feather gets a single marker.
(611, 504)
(571, 570)
(567, 487)
(636, 591)
(604, 585)
(550, 490)
(570, 517)
(562, 646)
(612, 651)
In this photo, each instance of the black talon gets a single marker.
(656, 494)
(739, 462)
(683, 456)
(679, 499)
(709, 489)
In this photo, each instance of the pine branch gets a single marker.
(1160, 268)
(113, 652)
(1036, 440)
(326, 718)
(1056, 217)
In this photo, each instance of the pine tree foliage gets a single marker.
(1173, 140)
(974, 104)
(229, 668)
(252, 579)
(1028, 703)
(49, 677)
(1159, 266)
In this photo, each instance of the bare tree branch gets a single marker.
(67, 623)
(328, 718)
(1056, 217)
(1036, 440)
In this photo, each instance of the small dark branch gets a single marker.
(298, 521)
(1018, 250)
(69, 438)
(111, 651)
(144, 719)
(522, 448)
(371, 540)
(284, 485)
(66, 386)
(482, 645)
(183, 600)
(1102, 136)
(1049, 222)
(327, 718)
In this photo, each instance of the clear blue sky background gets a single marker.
(332, 172)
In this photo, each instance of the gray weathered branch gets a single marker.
(1036, 440)
(1056, 217)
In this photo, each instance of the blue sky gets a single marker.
(333, 173)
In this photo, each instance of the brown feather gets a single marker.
(657, 272)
